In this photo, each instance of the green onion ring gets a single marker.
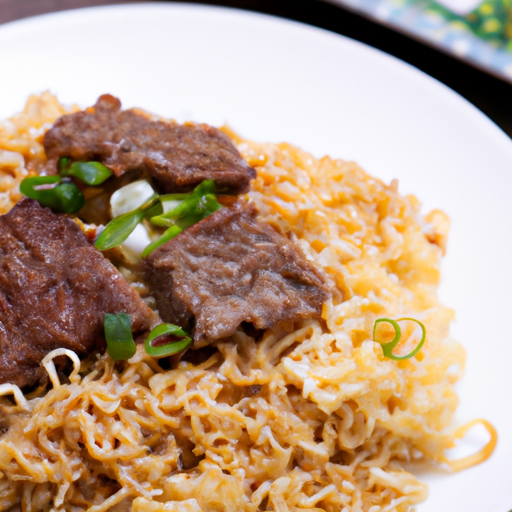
(169, 348)
(387, 348)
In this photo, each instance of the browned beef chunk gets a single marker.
(55, 289)
(228, 269)
(177, 157)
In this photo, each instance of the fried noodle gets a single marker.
(312, 417)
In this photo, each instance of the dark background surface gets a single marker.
(491, 95)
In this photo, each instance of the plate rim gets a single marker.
(13, 28)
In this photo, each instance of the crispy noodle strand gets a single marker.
(312, 417)
(483, 454)
(11, 389)
(49, 365)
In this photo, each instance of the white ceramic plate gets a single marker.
(275, 80)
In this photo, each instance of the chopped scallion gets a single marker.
(171, 201)
(150, 202)
(118, 333)
(53, 192)
(167, 235)
(181, 211)
(387, 348)
(191, 208)
(180, 342)
(174, 197)
(205, 187)
(91, 173)
(118, 230)
(186, 222)
(63, 164)
(153, 211)
(198, 204)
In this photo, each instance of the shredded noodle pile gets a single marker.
(312, 417)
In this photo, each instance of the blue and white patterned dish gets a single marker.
(480, 35)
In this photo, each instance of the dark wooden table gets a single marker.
(489, 94)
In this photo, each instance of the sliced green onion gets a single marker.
(190, 210)
(201, 199)
(186, 222)
(51, 191)
(195, 205)
(186, 207)
(167, 349)
(174, 197)
(167, 235)
(37, 184)
(91, 173)
(208, 204)
(63, 164)
(152, 201)
(69, 198)
(171, 201)
(118, 230)
(118, 333)
(205, 187)
(387, 348)
(161, 220)
(153, 211)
